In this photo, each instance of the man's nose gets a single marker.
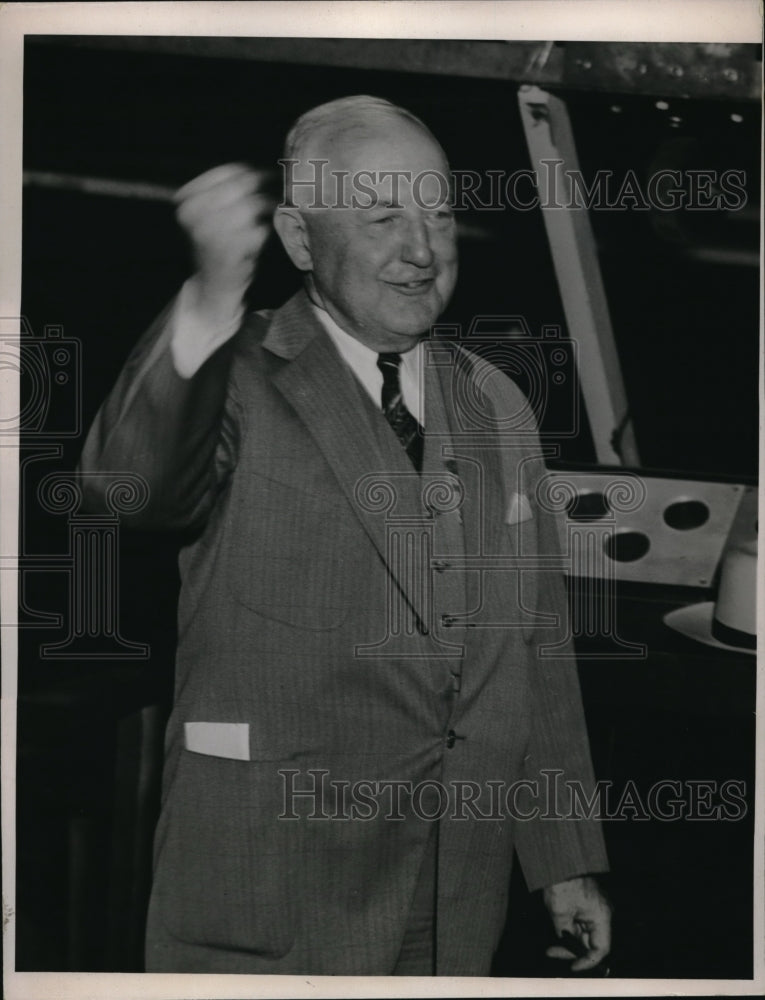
(416, 248)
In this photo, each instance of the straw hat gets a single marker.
(730, 622)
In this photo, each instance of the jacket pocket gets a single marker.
(223, 871)
(292, 553)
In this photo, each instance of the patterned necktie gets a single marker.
(401, 420)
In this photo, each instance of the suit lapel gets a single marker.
(328, 399)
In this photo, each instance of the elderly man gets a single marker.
(364, 715)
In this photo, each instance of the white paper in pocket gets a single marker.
(218, 739)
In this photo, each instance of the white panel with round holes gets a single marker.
(646, 529)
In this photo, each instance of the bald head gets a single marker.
(334, 131)
(324, 129)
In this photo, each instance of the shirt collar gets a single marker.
(362, 361)
(357, 355)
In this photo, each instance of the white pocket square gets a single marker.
(518, 509)
(218, 739)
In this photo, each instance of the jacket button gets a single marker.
(451, 738)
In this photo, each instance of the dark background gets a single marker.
(686, 329)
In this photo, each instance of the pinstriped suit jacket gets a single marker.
(332, 601)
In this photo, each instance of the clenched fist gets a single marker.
(226, 215)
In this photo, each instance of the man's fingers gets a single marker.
(563, 923)
(208, 215)
(580, 912)
(225, 174)
(593, 957)
(595, 938)
(261, 208)
(213, 206)
(558, 951)
(581, 963)
(247, 213)
(224, 196)
(226, 213)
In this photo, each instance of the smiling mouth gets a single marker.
(412, 287)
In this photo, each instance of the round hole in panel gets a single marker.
(626, 546)
(587, 506)
(685, 514)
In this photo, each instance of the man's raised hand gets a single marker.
(226, 215)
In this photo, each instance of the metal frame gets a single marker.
(662, 69)
(575, 258)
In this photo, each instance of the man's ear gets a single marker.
(292, 230)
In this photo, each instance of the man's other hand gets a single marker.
(579, 908)
(226, 215)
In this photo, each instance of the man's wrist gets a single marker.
(217, 306)
(200, 326)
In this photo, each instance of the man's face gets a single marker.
(385, 273)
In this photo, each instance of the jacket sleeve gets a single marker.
(552, 844)
(178, 434)
(562, 839)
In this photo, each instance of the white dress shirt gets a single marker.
(192, 342)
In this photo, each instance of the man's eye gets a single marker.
(383, 219)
